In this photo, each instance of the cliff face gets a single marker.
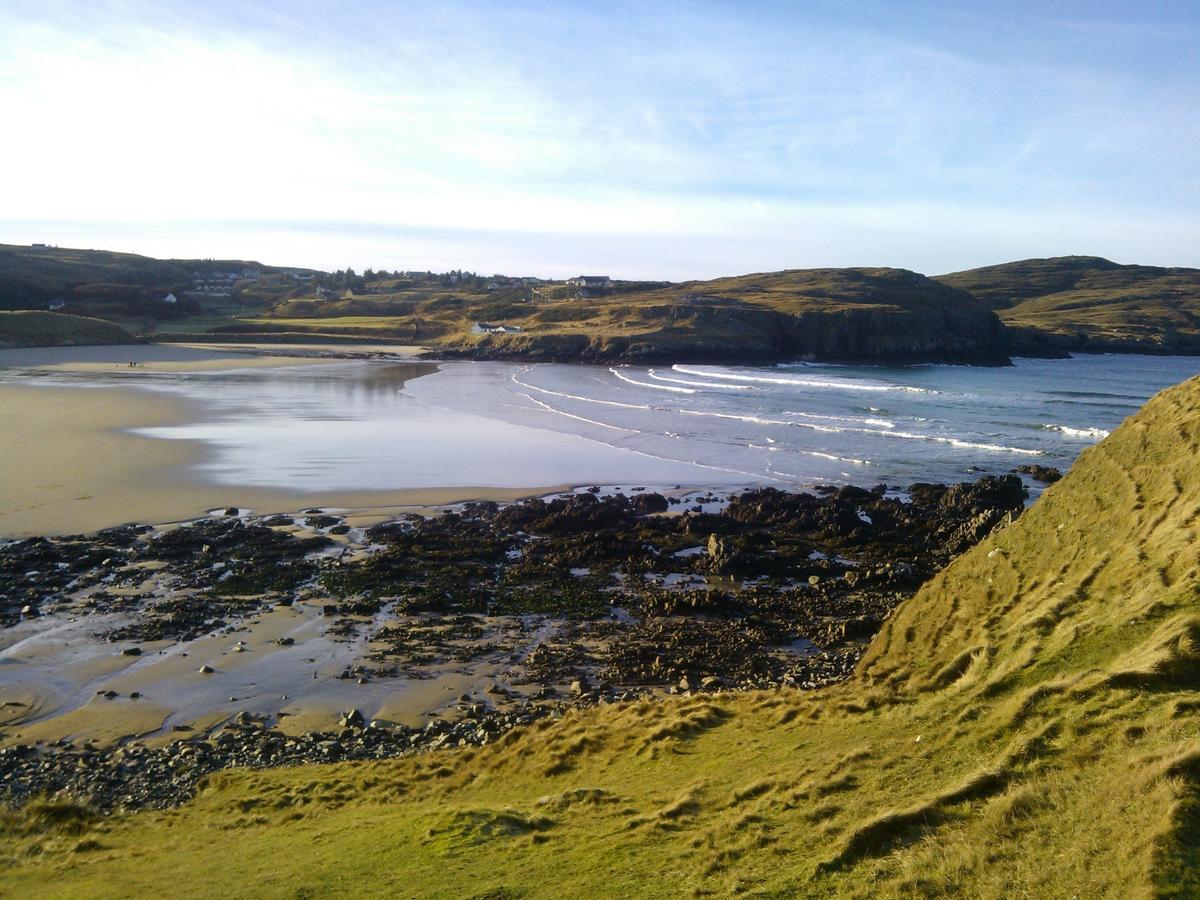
(871, 315)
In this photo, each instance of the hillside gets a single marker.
(128, 289)
(831, 314)
(32, 328)
(1026, 725)
(1088, 303)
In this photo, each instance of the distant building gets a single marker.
(591, 281)
(56, 304)
(324, 293)
(490, 328)
(218, 284)
(170, 298)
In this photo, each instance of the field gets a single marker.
(1026, 725)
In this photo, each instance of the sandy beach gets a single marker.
(70, 466)
(200, 357)
(70, 463)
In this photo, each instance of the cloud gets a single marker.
(756, 135)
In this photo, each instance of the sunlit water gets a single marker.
(373, 425)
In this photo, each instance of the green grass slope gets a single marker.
(1027, 725)
(1089, 303)
(33, 328)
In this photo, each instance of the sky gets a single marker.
(641, 140)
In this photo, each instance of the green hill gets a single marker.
(1089, 303)
(851, 314)
(33, 328)
(1027, 725)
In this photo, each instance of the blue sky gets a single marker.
(670, 140)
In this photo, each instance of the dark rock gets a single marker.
(1045, 474)
(645, 504)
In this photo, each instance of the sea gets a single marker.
(379, 424)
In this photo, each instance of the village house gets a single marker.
(600, 282)
(490, 328)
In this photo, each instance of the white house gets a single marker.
(170, 298)
(490, 328)
(591, 281)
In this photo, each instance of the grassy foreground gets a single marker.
(1027, 725)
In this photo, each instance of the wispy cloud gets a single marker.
(760, 135)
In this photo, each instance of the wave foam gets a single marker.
(548, 408)
(551, 393)
(1097, 433)
(807, 382)
(646, 384)
(653, 373)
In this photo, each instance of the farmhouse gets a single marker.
(490, 328)
(591, 281)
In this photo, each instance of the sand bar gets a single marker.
(189, 357)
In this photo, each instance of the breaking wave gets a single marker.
(646, 384)
(1096, 433)
(806, 382)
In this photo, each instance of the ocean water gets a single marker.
(797, 425)
(386, 425)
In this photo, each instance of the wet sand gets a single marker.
(191, 357)
(58, 681)
(69, 465)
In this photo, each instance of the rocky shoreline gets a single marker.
(548, 604)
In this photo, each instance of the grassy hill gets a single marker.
(1089, 303)
(1027, 725)
(1036, 307)
(861, 314)
(128, 289)
(34, 328)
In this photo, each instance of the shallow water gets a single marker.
(385, 425)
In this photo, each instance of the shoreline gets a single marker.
(96, 474)
(91, 471)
